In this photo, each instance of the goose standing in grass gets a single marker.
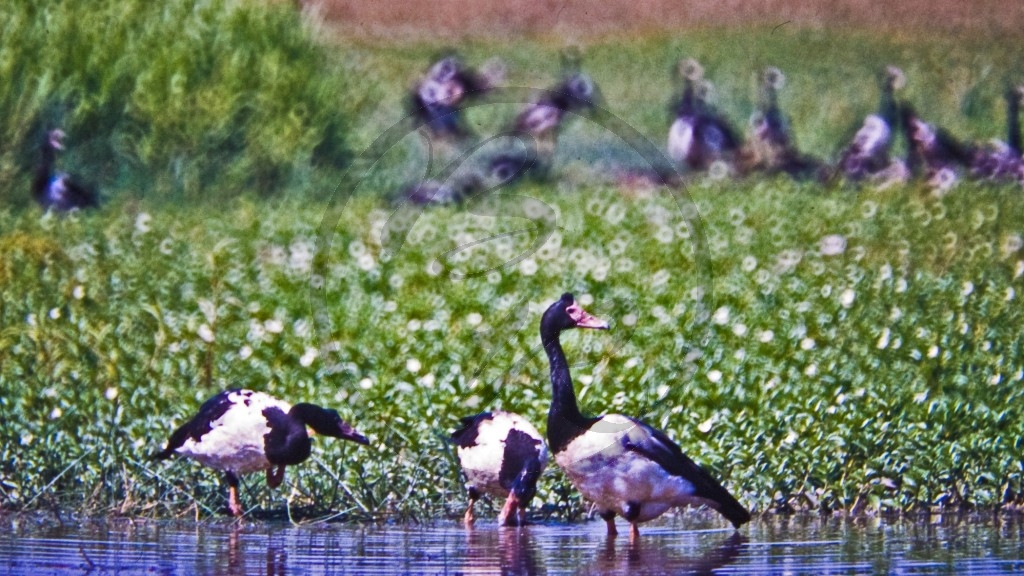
(55, 190)
(699, 136)
(771, 148)
(542, 120)
(241, 432)
(1001, 160)
(935, 150)
(502, 455)
(868, 154)
(438, 97)
(621, 464)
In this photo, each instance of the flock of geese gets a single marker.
(702, 140)
(622, 465)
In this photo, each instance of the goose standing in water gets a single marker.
(502, 455)
(699, 136)
(55, 190)
(621, 464)
(241, 432)
(868, 154)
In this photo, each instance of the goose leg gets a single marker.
(468, 519)
(511, 512)
(634, 533)
(609, 520)
(275, 477)
(234, 505)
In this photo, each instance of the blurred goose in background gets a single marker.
(438, 97)
(699, 136)
(867, 156)
(1001, 159)
(470, 180)
(934, 150)
(55, 190)
(621, 464)
(771, 147)
(241, 432)
(502, 455)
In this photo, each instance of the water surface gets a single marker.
(693, 544)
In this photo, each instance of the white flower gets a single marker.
(766, 336)
(883, 340)
(54, 313)
(366, 262)
(739, 329)
(629, 320)
(110, 393)
(706, 425)
(273, 325)
(166, 246)
(474, 319)
(749, 263)
(807, 344)
(413, 365)
(528, 267)
(833, 245)
(309, 356)
(811, 370)
(715, 376)
(721, 316)
(142, 222)
(847, 297)
(791, 438)
(995, 379)
(413, 325)
(366, 383)
(586, 299)
(205, 333)
(78, 292)
(56, 413)
(245, 352)
(968, 288)
(1010, 293)
(933, 351)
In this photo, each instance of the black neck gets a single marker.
(313, 416)
(45, 170)
(1013, 122)
(564, 419)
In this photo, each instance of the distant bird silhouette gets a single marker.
(699, 135)
(868, 156)
(771, 147)
(55, 190)
(935, 150)
(438, 97)
(1001, 159)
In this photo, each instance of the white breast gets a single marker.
(680, 139)
(482, 462)
(235, 440)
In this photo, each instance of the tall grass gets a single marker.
(173, 98)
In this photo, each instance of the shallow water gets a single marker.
(692, 544)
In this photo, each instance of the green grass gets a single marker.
(887, 377)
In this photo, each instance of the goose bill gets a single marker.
(584, 319)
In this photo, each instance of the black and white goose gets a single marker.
(240, 432)
(934, 149)
(501, 455)
(868, 154)
(699, 135)
(438, 97)
(771, 147)
(55, 190)
(621, 464)
(1001, 160)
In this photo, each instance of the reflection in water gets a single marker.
(506, 551)
(657, 556)
(34, 546)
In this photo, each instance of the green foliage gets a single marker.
(173, 97)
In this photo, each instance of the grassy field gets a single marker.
(817, 347)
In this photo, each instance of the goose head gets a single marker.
(773, 79)
(566, 314)
(894, 78)
(326, 421)
(55, 139)
(690, 69)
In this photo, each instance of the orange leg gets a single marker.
(233, 503)
(609, 519)
(468, 519)
(274, 478)
(634, 533)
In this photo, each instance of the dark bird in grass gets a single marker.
(622, 465)
(939, 154)
(502, 455)
(240, 432)
(771, 148)
(1001, 160)
(868, 155)
(700, 136)
(438, 98)
(55, 190)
